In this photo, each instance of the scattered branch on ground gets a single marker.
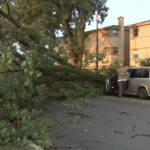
(134, 136)
(93, 141)
(73, 113)
(59, 137)
(118, 132)
(133, 128)
(122, 112)
(146, 135)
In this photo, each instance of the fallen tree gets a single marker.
(33, 68)
(41, 51)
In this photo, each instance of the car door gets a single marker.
(111, 83)
(134, 80)
(145, 78)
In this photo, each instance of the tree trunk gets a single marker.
(46, 70)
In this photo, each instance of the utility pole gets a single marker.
(97, 38)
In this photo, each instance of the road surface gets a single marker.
(108, 123)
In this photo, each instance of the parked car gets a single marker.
(137, 84)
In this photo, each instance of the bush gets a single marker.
(145, 62)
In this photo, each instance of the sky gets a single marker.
(133, 11)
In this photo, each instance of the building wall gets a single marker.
(127, 48)
(103, 42)
(139, 45)
(90, 41)
(121, 41)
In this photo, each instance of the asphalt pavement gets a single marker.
(107, 123)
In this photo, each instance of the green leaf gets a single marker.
(31, 73)
(27, 83)
(23, 64)
(29, 62)
(76, 119)
(9, 61)
(6, 141)
(39, 74)
(25, 70)
(3, 131)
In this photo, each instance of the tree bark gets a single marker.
(46, 70)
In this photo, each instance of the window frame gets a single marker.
(106, 33)
(141, 70)
(115, 33)
(117, 50)
(135, 32)
(135, 54)
(131, 71)
(107, 48)
(146, 69)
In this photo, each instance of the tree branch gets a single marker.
(46, 70)
(47, 80)
(26, 44)
(8, 9)
(21, 57)
(57, 4)
(13, 71)
(10, 18)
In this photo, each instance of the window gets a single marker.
(115, 50)
(145, 73)
(136, 73)
(135, 32)
(106, 51)
(139, 73)
(86, 37)
(106, 33)
(135, 54)
(115, 33)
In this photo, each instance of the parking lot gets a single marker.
(106, 123)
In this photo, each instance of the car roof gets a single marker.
(139, 67)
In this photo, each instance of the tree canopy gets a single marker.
(33, 23)
(34, 68)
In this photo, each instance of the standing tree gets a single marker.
(48, 16)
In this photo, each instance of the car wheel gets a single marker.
(143, 93)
